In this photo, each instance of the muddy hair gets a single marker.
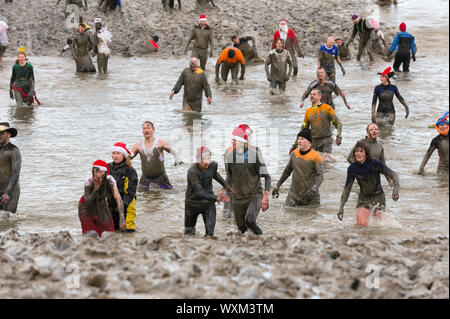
(148, 122)
(367, 128)
(364, 147)
(104, 186)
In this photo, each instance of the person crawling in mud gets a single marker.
(366, 170)
(229, 60)
(249, 52)
(200, 198)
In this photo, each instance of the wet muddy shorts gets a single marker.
(2, 50)
(292, 202)
(323, 145)
(372, 201)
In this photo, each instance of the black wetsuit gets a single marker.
(385, 95)
(10, 164)
(368, 177)
(200, 198)
(440, 143)
(406, 46)
(127, 181)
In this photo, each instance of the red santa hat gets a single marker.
(101, 165)
(402, 26)
(246, 129)
(239, 134)
(203, 18)
(386, 72)
(202, 151)
(121, 148)
(283, 21)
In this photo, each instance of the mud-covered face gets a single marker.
(203, 24)
(81, 29)
(98, 175)
(321, 75)
(4, 137)
(193, 64)
(339, 42)
(148, 130)
(236, 40)
(372, 131)
(117, 157)
(204, 164)
(360, 155)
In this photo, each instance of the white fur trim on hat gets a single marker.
(240, 139)
(102, 168)
(120, 150)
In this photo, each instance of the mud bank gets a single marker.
(39, 25)
(236, 266)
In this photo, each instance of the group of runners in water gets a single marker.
(109, 199)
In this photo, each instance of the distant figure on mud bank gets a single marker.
(170, 4)
(249, 52)
(203, 37)
(109, 4)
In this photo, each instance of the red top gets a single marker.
(276, 36)
(154, 43)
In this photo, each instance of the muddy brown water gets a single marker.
(82, 116)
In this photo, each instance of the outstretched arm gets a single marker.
(402, 100)
(355, 31)
(166, 147)
(427, 157)
(135, 150)
(191, 37)
(286, 173)
(346, 192)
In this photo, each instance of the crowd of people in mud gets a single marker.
(109, 200)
